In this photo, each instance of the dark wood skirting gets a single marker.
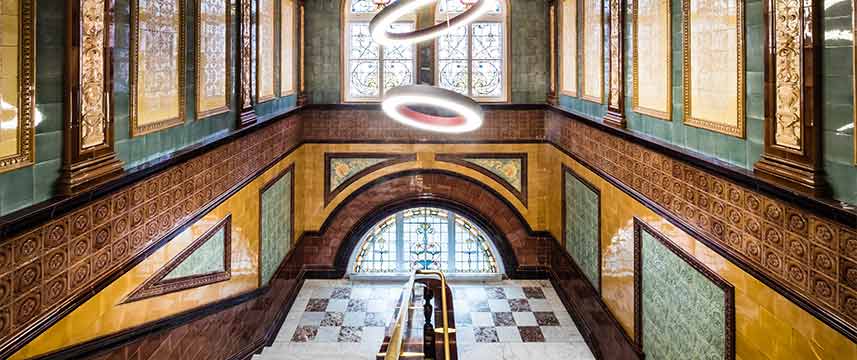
(392, 159)
(458, 159)
(569, 171)
(728, 290)
(157, 286)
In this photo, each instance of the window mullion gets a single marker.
(470, 60)
(400, 243)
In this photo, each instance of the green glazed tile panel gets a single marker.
(510, 170)
(208, 258)
(582, 226)
(276, 225)
(322, 51)
(683, 311)
(342, 169)
(529, 70)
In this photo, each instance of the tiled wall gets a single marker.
(528, 64)
(276, 225)
(32, 184)
(582, 224)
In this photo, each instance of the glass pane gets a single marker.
(378, 250)
(362, 6)
(398, 73)
(403, 51)
(487, 41)
(363, 78)
(455, 6)
(487, 78)
(361, 45)
(453, 46)
(426, 238)
(472, 252)
(453, 76)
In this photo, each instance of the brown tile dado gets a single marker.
(66, 257)
(802, 252)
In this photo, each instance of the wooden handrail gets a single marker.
(444, 308)
(394, 347)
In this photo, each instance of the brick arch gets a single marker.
(523, 251)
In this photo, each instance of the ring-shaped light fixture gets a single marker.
(397, 102)
(380, 24)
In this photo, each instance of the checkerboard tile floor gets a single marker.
(348, 320)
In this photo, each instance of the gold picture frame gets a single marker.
(201, 112)
(635, 79)
(737, 130)
(24, 153)
(274, 70)
(292, 30)
(139, 128)
(600, 58)
(563, 18)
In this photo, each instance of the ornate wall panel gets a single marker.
(288, 47)
(266, 50)
(207, 260)
(157, 70)
(247, 116)
(714, 65)
(568, 47)
(276, 214)
(652, 67)
(17, 97)
(581, 208)
(213, 57)
(682, 307)
(615, 115)
(592, 83)
(342, 169)
(508, 169)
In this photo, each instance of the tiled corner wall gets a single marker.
(581, 225)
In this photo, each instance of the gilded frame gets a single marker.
(635, 80)
(294, 87)
(276, 67)
(202, 114)
(582, 64)
(561, 63)
(26, 140)
(136, 128)
(739, 129)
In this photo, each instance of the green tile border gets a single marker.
(566, 171)
(641, 226)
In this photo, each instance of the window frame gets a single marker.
(501, 18)
(349, 18)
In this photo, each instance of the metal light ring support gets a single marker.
(469, 115)
(380, 24)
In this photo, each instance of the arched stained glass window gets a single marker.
(425, 238)
(369, 69)
(473, 60)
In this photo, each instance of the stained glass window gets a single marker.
(472, 60)
(425, 238)
(372, 69)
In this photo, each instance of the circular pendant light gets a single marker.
(398, 103)
(380, 24)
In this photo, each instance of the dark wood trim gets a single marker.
(86, 167)
(728, 289)
(827, 317)
(394, 158)
(566, 171)
(553, 78)
(244, 67)
(288, 171)
(157, 286)
(615, 115)
(797, 168)
(458, 159)
(823, 207)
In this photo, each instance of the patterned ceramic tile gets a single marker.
(208, 258)
(510, 170)
(342, 169)
(276, 217)
(582, 226)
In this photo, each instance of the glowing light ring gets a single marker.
(381, 22)
(397, 101)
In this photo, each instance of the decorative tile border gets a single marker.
(290, 172)
(728, 290)
(566, 171)
(363, 164)
(799, 251)
(157, 286)
(468, 160)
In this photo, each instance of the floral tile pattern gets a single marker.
(276, 218)
(510, 169)
(342, 169)
(582, 226)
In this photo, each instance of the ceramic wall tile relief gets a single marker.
(64, 257)
(582, 225)
(714, 65)
(157, 65)
(17, 48)
(568, 47)
(592, 52)
(277, 217)
(799, 251)
(266, 51)
(682, 306)
(213, 57)
(344, 168)
(651, 69)
(508, 169)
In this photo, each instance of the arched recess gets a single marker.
(523, 251)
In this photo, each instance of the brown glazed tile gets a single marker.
(26, 277)
(5, 321)
(823, 233)
(55, 262)
(774, 261)
(27, 247)
(121, 202)
(80, 222)
(79, 248)
(797, 273)
(102, 211)
(848, 273)
(848, 243)
(848, 302)
(101, 262)
(823, 288)
(79, 275)
(55, 290)
(823, 261)
(102, 236)
(5, 289)
(56, 233)
(7, 262)
(26, 307)
(774, 211)
(774, 237)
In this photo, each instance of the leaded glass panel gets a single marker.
(425, 234)
(472, 251)
(378, 250)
